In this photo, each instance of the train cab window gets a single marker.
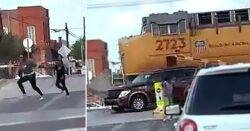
(173, 28)
(182, 26)
(223, 17)
(241, 15)
(168, 29)
(163, 29)
(205, 18)
(155, 29)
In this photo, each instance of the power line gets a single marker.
(74, 35)
(57, 30)
(76, 28)
(132, 3)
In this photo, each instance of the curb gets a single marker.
(98, 108)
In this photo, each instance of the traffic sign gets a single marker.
(64, 51)
(27, 42)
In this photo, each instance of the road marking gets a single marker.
(74, 129)
(50, 102)
(97, 108)
(71, 117)
(12, 98)
(25, 122)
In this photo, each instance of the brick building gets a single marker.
(97, 56)
(31, 22)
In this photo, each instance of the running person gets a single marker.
(60, 77)
(26, 73)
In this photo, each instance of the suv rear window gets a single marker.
(177, 73)
(220, 94)
(141, 79)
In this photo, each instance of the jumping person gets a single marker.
(60, 77)
(26, 73)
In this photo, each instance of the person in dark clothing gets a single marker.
(26, 73)
(60, 77)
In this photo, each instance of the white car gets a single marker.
(218, 100)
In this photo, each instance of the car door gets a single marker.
(156, 77)
(183, 80)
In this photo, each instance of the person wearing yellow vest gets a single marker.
(160, 100)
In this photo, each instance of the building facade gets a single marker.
(97, 57)
(30, 22)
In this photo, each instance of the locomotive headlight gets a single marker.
(124, 93)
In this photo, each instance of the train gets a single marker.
(212, 36)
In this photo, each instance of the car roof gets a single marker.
(169, 69)
(225, 69)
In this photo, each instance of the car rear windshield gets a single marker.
(220, 94)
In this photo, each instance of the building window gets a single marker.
(163, 29)
(241, 15)
(205, 18)
(91, 68)
(182, 26)
(5, 30)
(31, 33)
(44, 34)
(173, 28)
(223, 17)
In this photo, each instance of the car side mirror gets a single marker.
(173, 110)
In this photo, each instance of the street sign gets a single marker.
(27, 42)
(64, 51)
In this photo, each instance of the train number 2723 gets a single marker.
(170, 44)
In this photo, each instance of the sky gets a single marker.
(60, 12)
(111, 24)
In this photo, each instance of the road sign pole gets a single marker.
(28, 49)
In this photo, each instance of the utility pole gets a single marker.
(83, 49)
(67, 34)
(67, 43)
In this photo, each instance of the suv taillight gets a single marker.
(187, 125)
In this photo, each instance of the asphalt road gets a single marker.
(106, 120)
(55, 112)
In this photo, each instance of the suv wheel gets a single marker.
(138, 102)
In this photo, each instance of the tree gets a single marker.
(76, 49)
(10, 48)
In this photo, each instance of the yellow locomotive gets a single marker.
(218, 35)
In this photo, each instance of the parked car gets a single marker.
(218, 100)
(140, 94)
